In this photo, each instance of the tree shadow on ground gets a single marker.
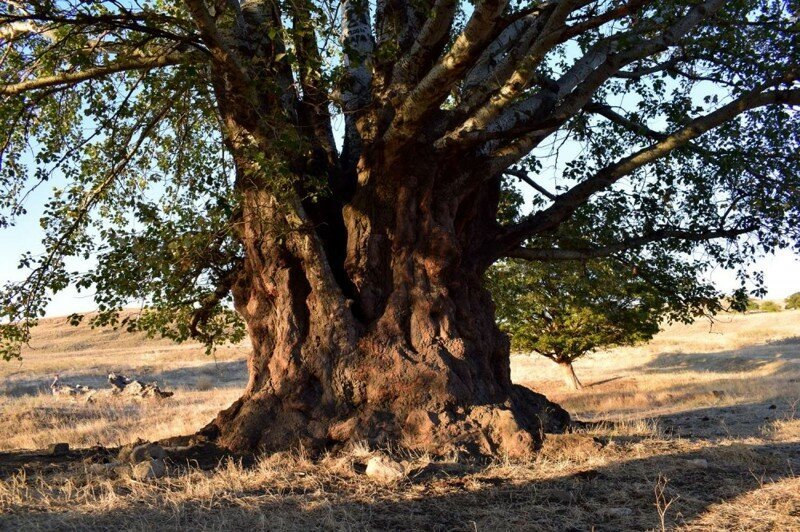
(748, 358)
(619, 496)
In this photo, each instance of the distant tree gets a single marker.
(565, 312)
(769, 306)
(793, 301)
(752, 305)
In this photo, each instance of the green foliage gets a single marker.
(769, 306)
(793, 301)
(142, 182)
(567, 310)
(752, 305)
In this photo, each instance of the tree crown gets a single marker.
(148, 119)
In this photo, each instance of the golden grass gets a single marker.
(691, 412)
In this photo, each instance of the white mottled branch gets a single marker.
(582, 83)
(439, 81)
(71, 78)
(436, 28)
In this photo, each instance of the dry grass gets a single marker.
(33, 418)
(741, 359)
(690, 412)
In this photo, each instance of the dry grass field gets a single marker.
(698, 430)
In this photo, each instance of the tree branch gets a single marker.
(523, 176)
(527, 122)
(357, 83)
(437, 84)
(556, 254)
(71, 78)
(566, 203)
(428, 43)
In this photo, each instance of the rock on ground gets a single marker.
(384, 469)
(150, 469)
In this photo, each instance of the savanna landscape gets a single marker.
(399, 264)
(700, 427)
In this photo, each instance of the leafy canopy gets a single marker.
(793, 301)
(654, 134)
(564, 313)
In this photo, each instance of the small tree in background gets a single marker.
(752, 305)
(567, 311)
(793, 301)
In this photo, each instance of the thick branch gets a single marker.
(427, 44)
(355, 93)
(565, 204)
(437, 84)
(71, 78)
(527, 122)
(556, 254)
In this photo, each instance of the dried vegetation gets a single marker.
(698, 428)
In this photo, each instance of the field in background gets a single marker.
(704, 418)
(736, 360)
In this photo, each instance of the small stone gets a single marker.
(107, 470)
(146, 451)
(384, 469)
(125, 453)
(156, 451)
(58, 449)
(772, 407)
(149, 470)
(698, 462)
(134, 388)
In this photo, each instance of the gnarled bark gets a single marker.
(409, 356)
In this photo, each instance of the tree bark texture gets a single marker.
(383, 334)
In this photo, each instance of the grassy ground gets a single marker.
(700, 427)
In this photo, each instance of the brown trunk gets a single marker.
(570, 378)
(406, 352)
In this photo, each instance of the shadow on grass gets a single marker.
(732, 361)
(619, 496)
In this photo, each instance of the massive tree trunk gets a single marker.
(363, 297)
(393, 344)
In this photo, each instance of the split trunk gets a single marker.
(369, 322)
(570, 378)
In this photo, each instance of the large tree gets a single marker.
(194, 147)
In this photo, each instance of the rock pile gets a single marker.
(121, 385)
(140, 461)
(125, 385)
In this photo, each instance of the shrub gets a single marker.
(769, 306)
(793, 301)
